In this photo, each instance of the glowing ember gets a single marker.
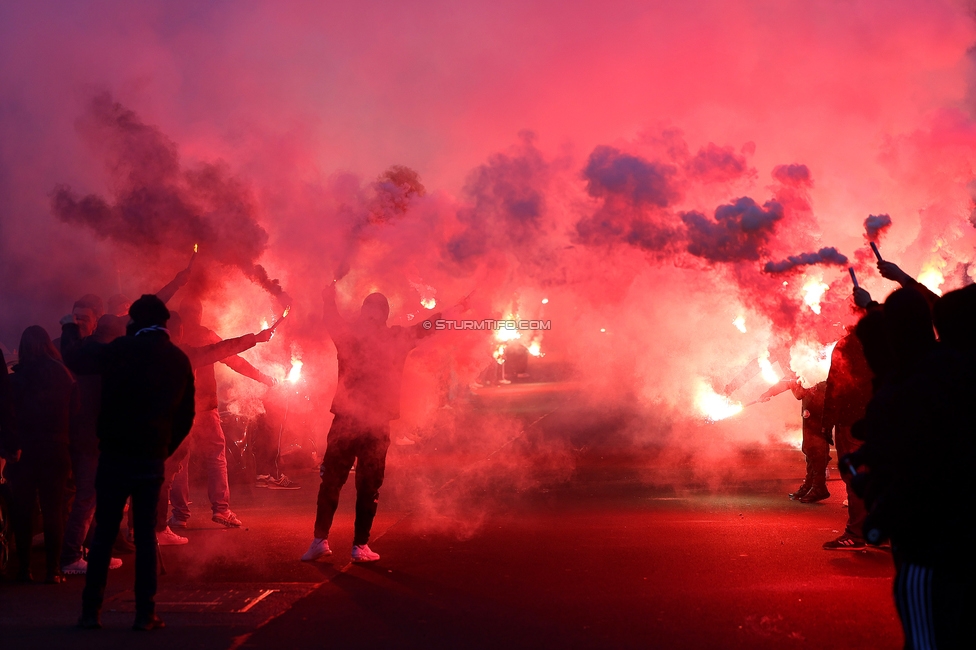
(264, 324)
(296, 370)
(766, 368)
(504, 334)
(545, 301)
(603, 329)
(428, 303)
(287, 310)
(813, 290)
(811, 362)
(714, 406)
(196, 248)
(740, 323)
(931, 275)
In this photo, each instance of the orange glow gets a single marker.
(296, 370)
(713, 406)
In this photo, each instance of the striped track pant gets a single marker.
(913, 597)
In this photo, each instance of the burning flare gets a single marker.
(811, 362)
(296, 370)
(740, 323)
(931, 275)
(713, 406)
(813, 290)
(766, 368)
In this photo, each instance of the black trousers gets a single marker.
(350, 440)
(117, 479)
(30, 482)
(935, 603)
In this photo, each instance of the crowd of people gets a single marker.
(896, 406)
(117, 404)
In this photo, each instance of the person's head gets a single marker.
(954, 315)
(908, 326)
(109, 328)
(87, 310)
(375, 310)
(36, 344)
(192, 311)
(118, 305)
(870, 332)
(148, 311)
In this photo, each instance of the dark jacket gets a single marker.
(849, 385)
(147, 391)
(45, 398)
(6, 411)
(919, 438)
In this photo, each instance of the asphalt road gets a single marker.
(508, 545)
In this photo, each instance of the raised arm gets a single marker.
(166, 293)
(334, 322)
(891, 271)
(221, 350)
(241, 366)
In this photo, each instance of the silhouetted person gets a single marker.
(45, 397)
(147, 411)
(84, 455)
(918, 451)
(266, 441)
(201, 356)
(371, 358)
(815, 444)
(848, 392)
(207, 438)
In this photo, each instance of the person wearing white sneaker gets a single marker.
(362, 553)
(167, 537)
(319, 548)
(371, 357)
(80, 566)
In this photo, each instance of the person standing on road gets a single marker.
(207, 436)
(45, 399)
(847, 395)
(147, 411)
(371, 359)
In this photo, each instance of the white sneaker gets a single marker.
(319, 548)
(168, 538)
(80, 567)
(362, 553)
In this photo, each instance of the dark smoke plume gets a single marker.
(158, 204)
(828, 255)
(876, 225)
(740, 230)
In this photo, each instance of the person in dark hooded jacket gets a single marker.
(914, 469)
(147, 411)
(45, 397)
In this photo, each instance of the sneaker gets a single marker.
(77, 568)
(167, 537)
(319, 548)
(228, 519)
(80, 567)
(89, 621)
(176, 523)
(262, 480)
(146, 623)
(816, 493)
(845, 543)
(362, 553)
(283, 483)
(800, 491)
